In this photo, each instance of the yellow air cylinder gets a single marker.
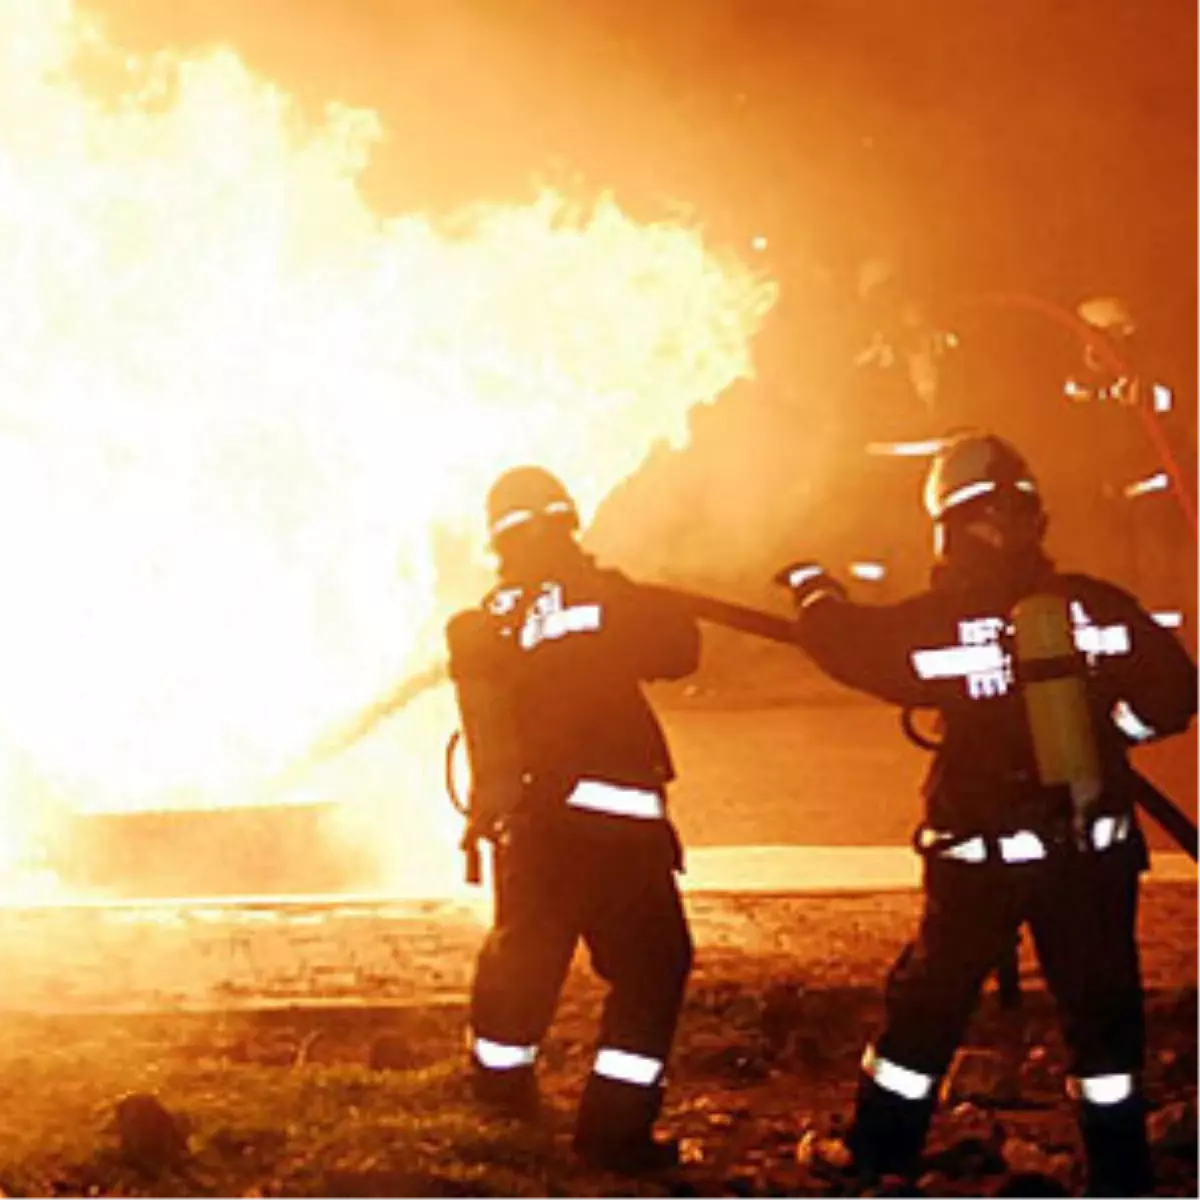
(1056, 705)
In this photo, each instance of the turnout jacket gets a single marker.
(549, 678)
(924, 652)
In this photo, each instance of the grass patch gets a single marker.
(288, 1101)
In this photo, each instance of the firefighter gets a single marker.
(570, 769)
(1004, 842)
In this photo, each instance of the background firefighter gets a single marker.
(569, 774)
(1001, 847)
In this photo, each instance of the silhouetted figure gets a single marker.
(569, 771)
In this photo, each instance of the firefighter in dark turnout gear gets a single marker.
(1002, 847)
(569, 775)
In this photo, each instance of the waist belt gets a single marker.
(1023, 846)
(617, 801)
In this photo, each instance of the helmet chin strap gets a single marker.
(995, 528)
(527, 555)
(964, 551)
(989, 533)
(979, 551)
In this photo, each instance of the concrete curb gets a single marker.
(724, 870)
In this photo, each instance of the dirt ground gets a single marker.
(314, 1047)
(324, 1085)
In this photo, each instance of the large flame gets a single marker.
(240, 410)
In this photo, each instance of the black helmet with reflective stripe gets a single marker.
(988, 517)
(529, 494)
(972, 466)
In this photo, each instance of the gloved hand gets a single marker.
(491, 806)
(1084, 795)
(487, 815)
(805, 580)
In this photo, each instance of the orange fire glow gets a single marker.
(241, 411)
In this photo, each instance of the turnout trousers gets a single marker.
(610, 881)
(1081, 909)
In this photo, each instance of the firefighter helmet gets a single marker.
(973, 466)
(527, 494)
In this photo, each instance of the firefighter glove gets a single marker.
(806, 580)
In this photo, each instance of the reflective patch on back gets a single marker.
(549, 619)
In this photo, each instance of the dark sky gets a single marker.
(1043, 146)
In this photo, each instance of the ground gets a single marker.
(325, 1085)
(315, 1047)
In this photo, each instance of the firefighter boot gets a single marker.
(614, 1129)
(509, 1093)
(1118, 1156)
(888, 1133)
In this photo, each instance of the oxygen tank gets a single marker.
(1053, 681)
(478, 671)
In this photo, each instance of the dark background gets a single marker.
(1039, 147)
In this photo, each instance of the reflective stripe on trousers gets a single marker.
(1100, 1089)
(502, 1056)
(899, 1080)
(626, 1067)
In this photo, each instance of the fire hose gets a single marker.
(730, 615)
(726, 613)
(1108, 353)
(739, 617)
